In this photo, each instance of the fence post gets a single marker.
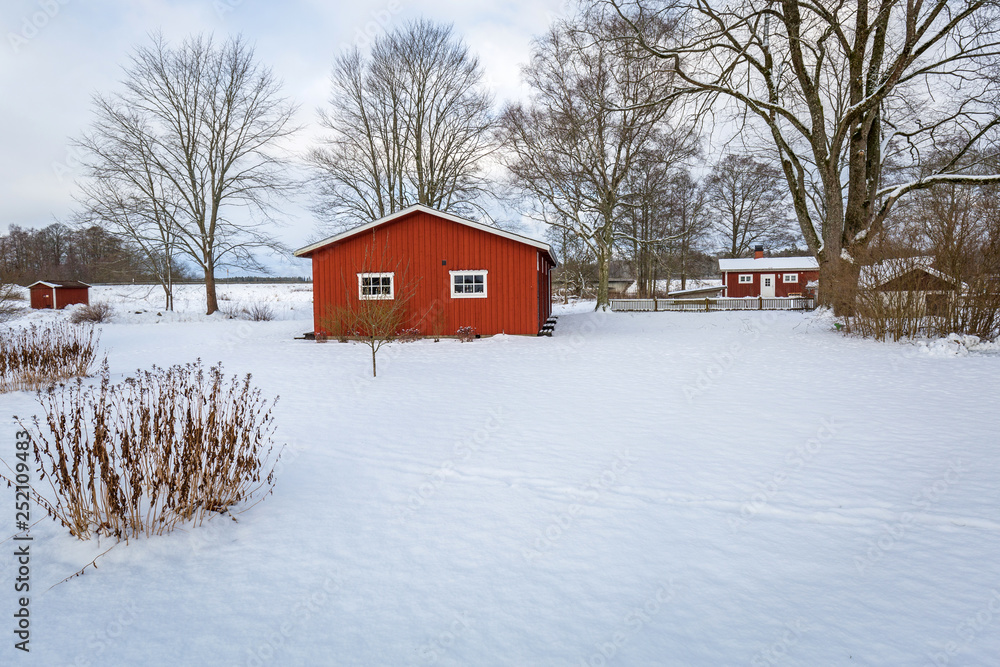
(760, 303)
(706, 305)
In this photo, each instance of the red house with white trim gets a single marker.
(455, 272)
(768, 276)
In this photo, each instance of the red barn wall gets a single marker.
(41, 296)
(413, 247)
(71, 295)
(736, 290)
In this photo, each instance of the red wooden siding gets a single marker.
(41, 296)
(421, 249)
(737, 290)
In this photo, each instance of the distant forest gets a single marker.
(91, 254)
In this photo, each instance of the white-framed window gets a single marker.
(790, 278)
(468, 284)
(746, 278)
(376, 286)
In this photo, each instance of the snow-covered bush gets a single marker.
(94, 313)
(159, 449)
(466, 334)
(409, 335)
(36, 356)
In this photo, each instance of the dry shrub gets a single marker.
(897, 299)
(94, 313)
(466, 334)
(258, 312)
(162, 448)
(410, 335)
(37, 356)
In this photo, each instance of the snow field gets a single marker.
(640, 489)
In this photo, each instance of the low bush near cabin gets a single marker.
(168, 446)
(466, 334)
(94, 313)
(409, 335)
(37, 356)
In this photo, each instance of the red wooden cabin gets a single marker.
(768, 276)
(456, 273)
(58, 293)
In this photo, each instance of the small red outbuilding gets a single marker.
(58, 293)
(455, 273)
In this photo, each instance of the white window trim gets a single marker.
(789, 277)
(377, 297)
(451, 284)
(746, 279)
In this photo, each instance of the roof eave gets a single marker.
(310, 249)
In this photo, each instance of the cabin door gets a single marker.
(767, 285)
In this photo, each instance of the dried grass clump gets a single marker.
(94, 313)
(37, 356)
(159, 449)
(258, 312)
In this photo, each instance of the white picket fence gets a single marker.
(708, 305)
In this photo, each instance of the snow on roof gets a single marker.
(306, 251)
(770, 264)
(76, 284)
(873, 275)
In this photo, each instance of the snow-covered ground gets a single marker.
(640, 489)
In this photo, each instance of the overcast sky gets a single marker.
(57, 53)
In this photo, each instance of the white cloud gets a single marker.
(50, 71)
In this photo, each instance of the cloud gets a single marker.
(60, 52)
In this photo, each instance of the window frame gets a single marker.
(381, 296)
(748, 281)
(469, 295)
(795, 278)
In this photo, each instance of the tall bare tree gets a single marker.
(749, 200)
(189, 149)
(409, 123)
(689, 224)
(841, 88)
(590, 117)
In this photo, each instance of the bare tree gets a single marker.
(409, 124)
(128, 196)
(749, 201)
(590, 117)
(378, 310)
(689, 224)
(188, 150)
(841, 89)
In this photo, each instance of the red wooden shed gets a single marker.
(58, 293)
(456, 272)
(768, 276)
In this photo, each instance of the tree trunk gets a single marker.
(374, 374)
(211, 301)
(838, 285)
(603, 271)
